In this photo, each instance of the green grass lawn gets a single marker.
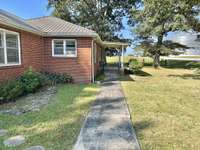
(57, 125)
(165, 108)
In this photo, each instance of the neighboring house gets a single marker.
(189, 39)
(48, 44)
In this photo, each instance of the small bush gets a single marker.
(31, 81)
(100, 76)
(135, 65)
(56, 78)
(9, 91)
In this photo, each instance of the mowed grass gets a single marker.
(165, 108)
(57, 125)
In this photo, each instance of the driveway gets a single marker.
(108, 125)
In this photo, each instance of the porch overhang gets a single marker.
(120, 47)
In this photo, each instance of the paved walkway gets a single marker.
(108, 125)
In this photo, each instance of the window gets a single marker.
(70, 48)
(9, 48)
(64, 48)
(58, 47)
(12, 48)
(1, 49)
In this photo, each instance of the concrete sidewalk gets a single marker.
(108, 125)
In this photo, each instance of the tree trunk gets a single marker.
(156, 60)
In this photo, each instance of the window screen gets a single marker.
(70, 48)
(12, 48)
(58, 47)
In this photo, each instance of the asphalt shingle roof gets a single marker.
(47, 26)
(13, 20)
(53, 26)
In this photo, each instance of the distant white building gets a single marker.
(190, 39)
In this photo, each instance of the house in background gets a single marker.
(50, 44)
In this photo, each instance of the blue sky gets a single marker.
(26, 8)
(37, 8)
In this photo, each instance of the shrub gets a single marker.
(31, 81)
(11, 90)
(135, 65)
(100, 76)
(56, 78)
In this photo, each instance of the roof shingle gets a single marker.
(15, 21)
(53, 26)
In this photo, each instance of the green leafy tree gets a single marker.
(103, 16)
(156, 18)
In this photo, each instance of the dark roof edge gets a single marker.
(21, 28)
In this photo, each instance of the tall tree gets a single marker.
(103, 16)
(156, 18)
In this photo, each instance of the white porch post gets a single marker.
(122, 57)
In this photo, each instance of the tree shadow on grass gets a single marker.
(138, 73)
(141, 125)
(142, 73)
(127, 76)
(177, 64)
(187, 76)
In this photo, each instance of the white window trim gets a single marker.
(5, 64)
(64, 45)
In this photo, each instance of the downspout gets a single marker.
(92, 61)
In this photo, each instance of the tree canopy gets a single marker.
(156, 18)
(103, 16)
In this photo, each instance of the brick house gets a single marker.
(48, 44)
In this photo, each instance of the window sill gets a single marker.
(59, 56)
(9, 65)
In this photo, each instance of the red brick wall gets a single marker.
(36, 52)
(79, 67)
(31, 54)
